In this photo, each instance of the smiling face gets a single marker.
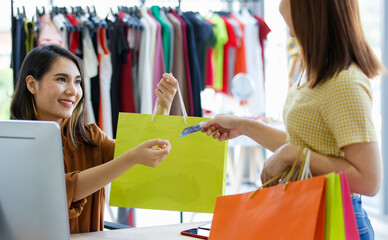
(58, 92)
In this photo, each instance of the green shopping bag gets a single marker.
(335, 227)
(189, 179)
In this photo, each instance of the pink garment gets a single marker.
(351, 229)
(189, 85)
(209, 68)
(159, 66)
(49, 33)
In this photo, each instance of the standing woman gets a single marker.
(50, 87)
(331, 111)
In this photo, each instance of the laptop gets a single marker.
(33, 201)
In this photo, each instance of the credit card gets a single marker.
(192, 129)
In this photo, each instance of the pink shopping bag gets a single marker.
(351, 230)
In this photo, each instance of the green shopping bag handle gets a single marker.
(181, 102)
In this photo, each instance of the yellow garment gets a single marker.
(294, 61)
(30, 30)
(332, 115)
(292, 48)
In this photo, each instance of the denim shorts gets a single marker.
(365, 229)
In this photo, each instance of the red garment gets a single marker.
(127, 102)
(263, 32)
(209, 64)
(104, 44)
(231, 43)
(241, 66)
(74, 43)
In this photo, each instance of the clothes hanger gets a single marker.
(69, 26)
(54, 11)
(21, 14)
(39, 13)
(126, 19)
(94, 19)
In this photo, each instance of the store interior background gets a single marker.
(276, 84)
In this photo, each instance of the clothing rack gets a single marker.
(142, 2)
(250, 0)
(51, 4)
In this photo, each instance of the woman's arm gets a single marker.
(362, 164)
(225, 127)
(93, 179)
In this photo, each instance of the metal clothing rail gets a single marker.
(144, 1)
(241, 0)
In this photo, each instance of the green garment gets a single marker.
(166, 36)
(221, 36)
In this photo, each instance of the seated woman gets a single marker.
(50, 87)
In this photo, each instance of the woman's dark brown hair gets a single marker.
(331, 37)
(37, 63)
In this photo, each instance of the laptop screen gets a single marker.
(32, 182)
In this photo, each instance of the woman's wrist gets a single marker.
(247, 126)
(162, 110)
(130, 158)
(244, 126)
(292, 152)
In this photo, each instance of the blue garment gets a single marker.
(204, 37)
(195, 72)
(118, 47)
(18, 46)
(365, 229)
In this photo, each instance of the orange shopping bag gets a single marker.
(296, 212)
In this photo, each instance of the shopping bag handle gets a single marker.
(280, 176)
(181, 102)
(288, 175)
(305, 171)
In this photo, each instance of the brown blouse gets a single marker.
(86, 215)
